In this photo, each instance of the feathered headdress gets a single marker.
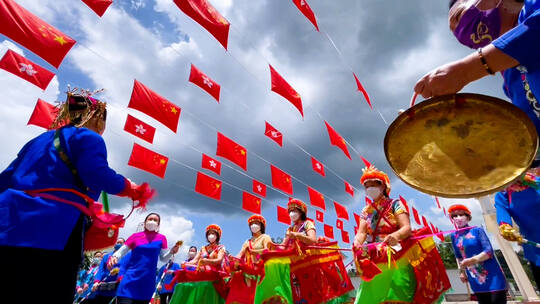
(79, 108)
(371, 173)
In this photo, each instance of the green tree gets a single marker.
(447, 253)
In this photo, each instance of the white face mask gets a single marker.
(151, 225)
(96, 261)
(255, 228)
(294, 215)
(461, 220)
(373, 192)
(212, 238)
(192, 254)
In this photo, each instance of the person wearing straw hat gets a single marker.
(520, 203)
(44, 192)
(301, 229)
(476, 258)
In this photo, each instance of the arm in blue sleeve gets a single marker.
(502, 205)
(90, 159)
(456, 250)
(484, 242)
(523, 42)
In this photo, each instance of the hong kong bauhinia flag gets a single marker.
(259, 188)
(208, 186)
(273, 134)
(319, 215)
(349, 189)
(337, 140)
(33, 33)
(211, 164)
(139, 129)
(303, 6)
(26, 69)
(148, 160)
(204, 82)
(283, 88)
(208, 17)
(317, 166)
(232, 151)
(155, 106)
(281, 180)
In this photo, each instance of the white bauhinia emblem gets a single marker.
(207, 81)
(212, 164)
(259, 188)
(28, 69)
(140, 129)
(302, 2)
(274, 134)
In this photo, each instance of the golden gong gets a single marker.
(461, 145)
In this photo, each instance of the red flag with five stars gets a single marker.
(316, 198)
(283, 88)
(444, 210)
(232, 151)
(349, 189)
(415, 215)
(208, 17)
(211, 164)
(341, 211)
(345, 237)
(319, 215)
(433, 230)
(438, 203)
(208, 186)
(281, 180)
(259, 188)
(328, 231)
(26, 69)
(155, 106)
(404, 202)
(204, 82)
(424, 221)
(339, 224)
(43, 115)
(357, 219)
(283, 215)
(148, 160)
(317, 166)
(360, 88)
(337, 140)
(139, 129)
(33, 33)
(273, 134)
(306, 10)
(251, 203)
(98, 6)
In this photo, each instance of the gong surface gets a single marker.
(461, 145)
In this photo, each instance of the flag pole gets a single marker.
(105, 199)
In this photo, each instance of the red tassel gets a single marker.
(369, 270)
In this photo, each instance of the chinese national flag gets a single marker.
(33, 33)
(337, 140)
(328, 231)
(444, 210)
(357, 219)
(155, 106)
(438, 203)
(208, 17)
(232, 151)
(404, 202)
(415, 215)
(433, 230)
(98, 6)
(208, 186)
(440, 235)
(317, 166)
(211, 164)
(26, 69)
(139, 129)
(424, 221)
(345, 237)
(204, 82)
(341, 211)
(316, 198)
(339, 224)
(273, 134)
(306, 10)
(281, 180)
(349, 189)
(43, 115)
(319, 215)
(259, 188)
(148, 160)
(251, 203)
(280, 86)
(360, 88)
(283, 215)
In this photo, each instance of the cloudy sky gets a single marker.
(388, 44)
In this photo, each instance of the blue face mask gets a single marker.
(117, 246)
(478, 28)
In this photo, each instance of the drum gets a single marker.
(461, 145)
